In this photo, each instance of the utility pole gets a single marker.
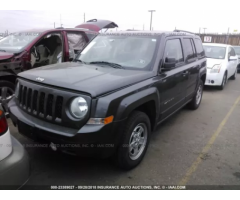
(227, 36)
(151, 11)
(84, 17)
(199, 30)
(54, 24)
(61, 21)
(204, 30)
(143, 27)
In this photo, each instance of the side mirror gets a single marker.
(231, 58)
(169, 64)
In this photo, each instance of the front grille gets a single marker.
(41, 104)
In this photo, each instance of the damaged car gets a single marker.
(40, 47)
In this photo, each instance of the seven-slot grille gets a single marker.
(41, 104)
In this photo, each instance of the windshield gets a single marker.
(237, 50)
(215, 52)
(17, 41)
(132, 52)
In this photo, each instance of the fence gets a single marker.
(232, 39)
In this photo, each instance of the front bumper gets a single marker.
(14, 169)
(90, 140)
(213, 79)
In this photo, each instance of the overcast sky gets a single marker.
(188, 15)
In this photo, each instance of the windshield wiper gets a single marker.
(77, 60)
(114, 65)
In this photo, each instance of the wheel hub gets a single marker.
(137, 141)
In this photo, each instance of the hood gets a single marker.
(211, 62)
(97, 24)
(5, 55)
(92, 79)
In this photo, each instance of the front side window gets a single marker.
(232, 52)
(237, 50)
(214, 52)
(17, 41)
(132, 52)
(173, 51)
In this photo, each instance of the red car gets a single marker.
(36, 48)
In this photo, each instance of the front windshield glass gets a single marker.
(215, 52)
(237, 50)
(17, 41)
(132, 52)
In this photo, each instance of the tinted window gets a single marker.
(189, 49)
(173, 50)
(199, 48)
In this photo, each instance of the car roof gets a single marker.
(216, 44)
(45, 30)
(151, 33)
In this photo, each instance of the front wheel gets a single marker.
(133, 147)
(6, 93)
(194, 104)
(233, 77)
(224, 81)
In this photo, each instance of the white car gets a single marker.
(222, 63)
(14, 162)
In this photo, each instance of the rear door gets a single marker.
(191, 64)
(75, 42)
(172, 83)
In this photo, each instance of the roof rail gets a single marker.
(177, 30)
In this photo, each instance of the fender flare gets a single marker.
(130, 103)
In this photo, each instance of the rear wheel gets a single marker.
(194, 104)
(224, 81)
(6, 93)
(135, 141)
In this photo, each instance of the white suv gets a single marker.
(14, 163)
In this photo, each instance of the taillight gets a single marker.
(3, 123)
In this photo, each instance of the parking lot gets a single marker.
(191, 148)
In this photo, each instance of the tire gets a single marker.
(196, 101)
(224, 81)
(10, 91)
(124, 158)
(233, 77)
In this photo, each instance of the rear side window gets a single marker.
(199, 48)
(173, 50)
(189, 49)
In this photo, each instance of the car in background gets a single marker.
(14, 162)
(222, 64)
(39, 47)
(237, 51)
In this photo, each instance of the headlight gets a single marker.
(17, 90)
(79, 107)
(215, 69)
